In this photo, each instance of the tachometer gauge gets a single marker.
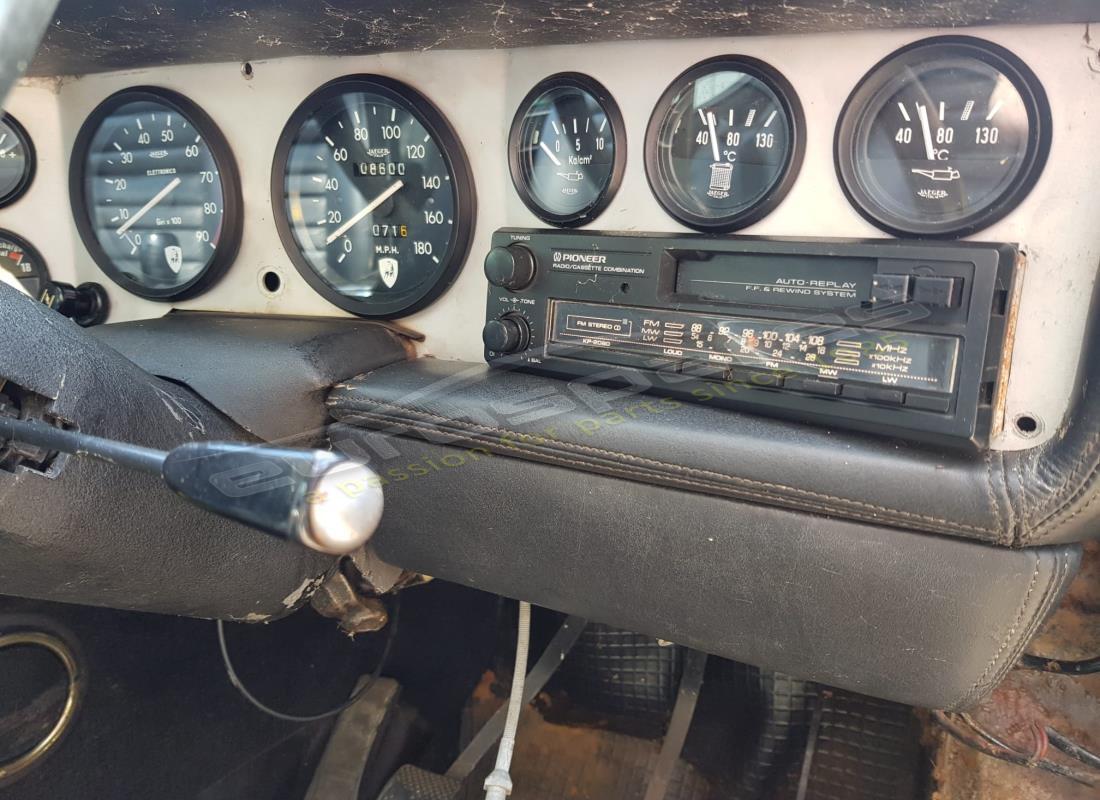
(155, 193)
(17, 161)
(943, 137)
(724, 143)
(21, 266)
(567, 149)
(377, 196)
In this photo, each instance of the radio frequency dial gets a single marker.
(509, 334)
(511, 267)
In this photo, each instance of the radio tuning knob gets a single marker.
(509, 334)
(511, 267)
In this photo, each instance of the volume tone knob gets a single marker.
(511, 267)
(509, 334)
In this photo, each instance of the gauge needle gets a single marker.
(145, 209)
(12, 281)
(550, 153)
(922, 112)
(373, 204)
(713, 137)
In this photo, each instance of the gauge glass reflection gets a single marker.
(21, 266)
(941, 138)
(724, 137)
(156, 194)
(565, 140)
(376, 210)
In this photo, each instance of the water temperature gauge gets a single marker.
(567, 149)
(724, 144)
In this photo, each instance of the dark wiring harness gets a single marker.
(1072, 749)
(332, 712)
(964, 728)
(1085, 667)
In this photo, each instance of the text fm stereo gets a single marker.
(899, 338)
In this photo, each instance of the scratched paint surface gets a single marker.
(108, 35)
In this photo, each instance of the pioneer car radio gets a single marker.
(893, 337)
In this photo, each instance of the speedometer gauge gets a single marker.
(155, 193)
(567, 149)
(377, 196)
(724, 143)
(943, 137)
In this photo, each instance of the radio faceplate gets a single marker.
(892, 337)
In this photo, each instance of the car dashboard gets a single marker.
(763, 331)
(479, 92)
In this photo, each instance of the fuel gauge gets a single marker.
(567, 149)
(21, 266)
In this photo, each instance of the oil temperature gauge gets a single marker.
(21, 266)
(567, 149)
(943, 137)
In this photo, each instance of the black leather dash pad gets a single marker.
(919, 619)
(1015, 499)
(785, 546)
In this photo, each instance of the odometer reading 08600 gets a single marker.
(377, 196)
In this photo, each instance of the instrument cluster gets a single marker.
(374, 199)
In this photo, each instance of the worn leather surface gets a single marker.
(916, 618)
(96, 534)
(268, 374)
(1045, 495)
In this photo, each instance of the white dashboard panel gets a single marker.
(479, 91)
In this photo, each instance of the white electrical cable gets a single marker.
(499, 783)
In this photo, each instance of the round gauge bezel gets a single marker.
(30, 162)
(856, 115)
(585, 83)
(30, 250)
(790, 105)
(454, 156)
(232, 210)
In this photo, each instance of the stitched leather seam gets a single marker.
(1065, 520)
(847, 503)
(1011, 631)
(1051, 593)
(1088, 455)
(1061, 508)
(996, 509)
(947, 525)
(1071, 487)
(1013, 516)
(622, 471)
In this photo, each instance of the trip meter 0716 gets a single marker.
(943, 137)
(377, 196)
(155, 193)
(724, 143)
